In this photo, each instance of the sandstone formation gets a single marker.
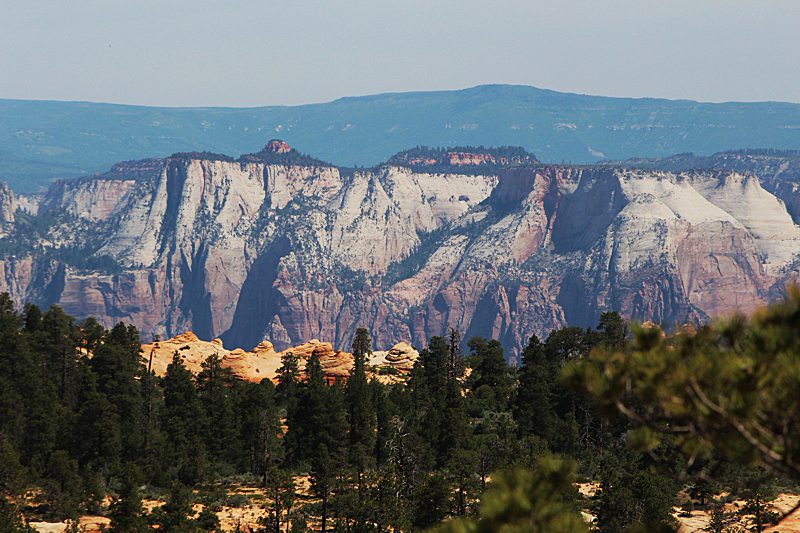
(402, 357)
(263, 361)
(247, 251)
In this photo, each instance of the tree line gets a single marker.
(405, 457)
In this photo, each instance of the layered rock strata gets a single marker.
(251, 252)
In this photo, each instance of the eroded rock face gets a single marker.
(8, 203)
(264, 362)
(91, 199)
(268, 256)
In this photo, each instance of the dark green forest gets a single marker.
(465, 441)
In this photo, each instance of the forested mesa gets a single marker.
(464, 440)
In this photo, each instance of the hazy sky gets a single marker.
(265, 52)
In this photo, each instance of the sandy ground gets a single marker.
(247, 517)
(782, 504)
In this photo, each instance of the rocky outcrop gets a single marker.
(263, 361)
(276, 146)
(271, 255)
(401, 357)
(8, 204)
(93, 199)
(29, 202)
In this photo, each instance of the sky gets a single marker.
(244, 53)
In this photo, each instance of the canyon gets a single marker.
(281, 251)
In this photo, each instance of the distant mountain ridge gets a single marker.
(40, 140)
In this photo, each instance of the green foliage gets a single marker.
(758, 492)
(184, 423)
(12, 485)
(126, 512)
(520, 501)
(319, 417)
(400, 457)
(360, 411)
(30, 232)
(729, 388)
(425, 159)
(492, 380)
(633, 496)
(175, 516)
(281, 492)
(292, 157)
(203, 156)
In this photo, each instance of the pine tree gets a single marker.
(759, 491)
(728, 389)
(117, 364)
(520, 501)
(492, 378)
(322, 475)
(288, 382)
(175, 515)
(12, 485)
(127, 512)
(383, 421)
(533, 409)
(214, 384)
(281, 492)
(359, 405)
(97, 439)
(360, 410)
(183, 422)
(259, 428)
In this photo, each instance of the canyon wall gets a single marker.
(251, 252)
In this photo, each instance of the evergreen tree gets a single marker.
(383, 421)
(322, 475)
(59, 338)
(259, 428)
(428, 389)
(288, 382)
(455, 366)
(126, 512)
(63, 487)
(117, 365)
(728, 389)
(360, 410)
(281, 492)
(12, 486)
(175, 515)
(359, 407)
(492, 380)
(97, 439)
(613, 330)
(533, 410)
(520, 501)
(759, 491)
(431, 502)
(319, 417)
(184, 423)
(631, 496)
(214, 384)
